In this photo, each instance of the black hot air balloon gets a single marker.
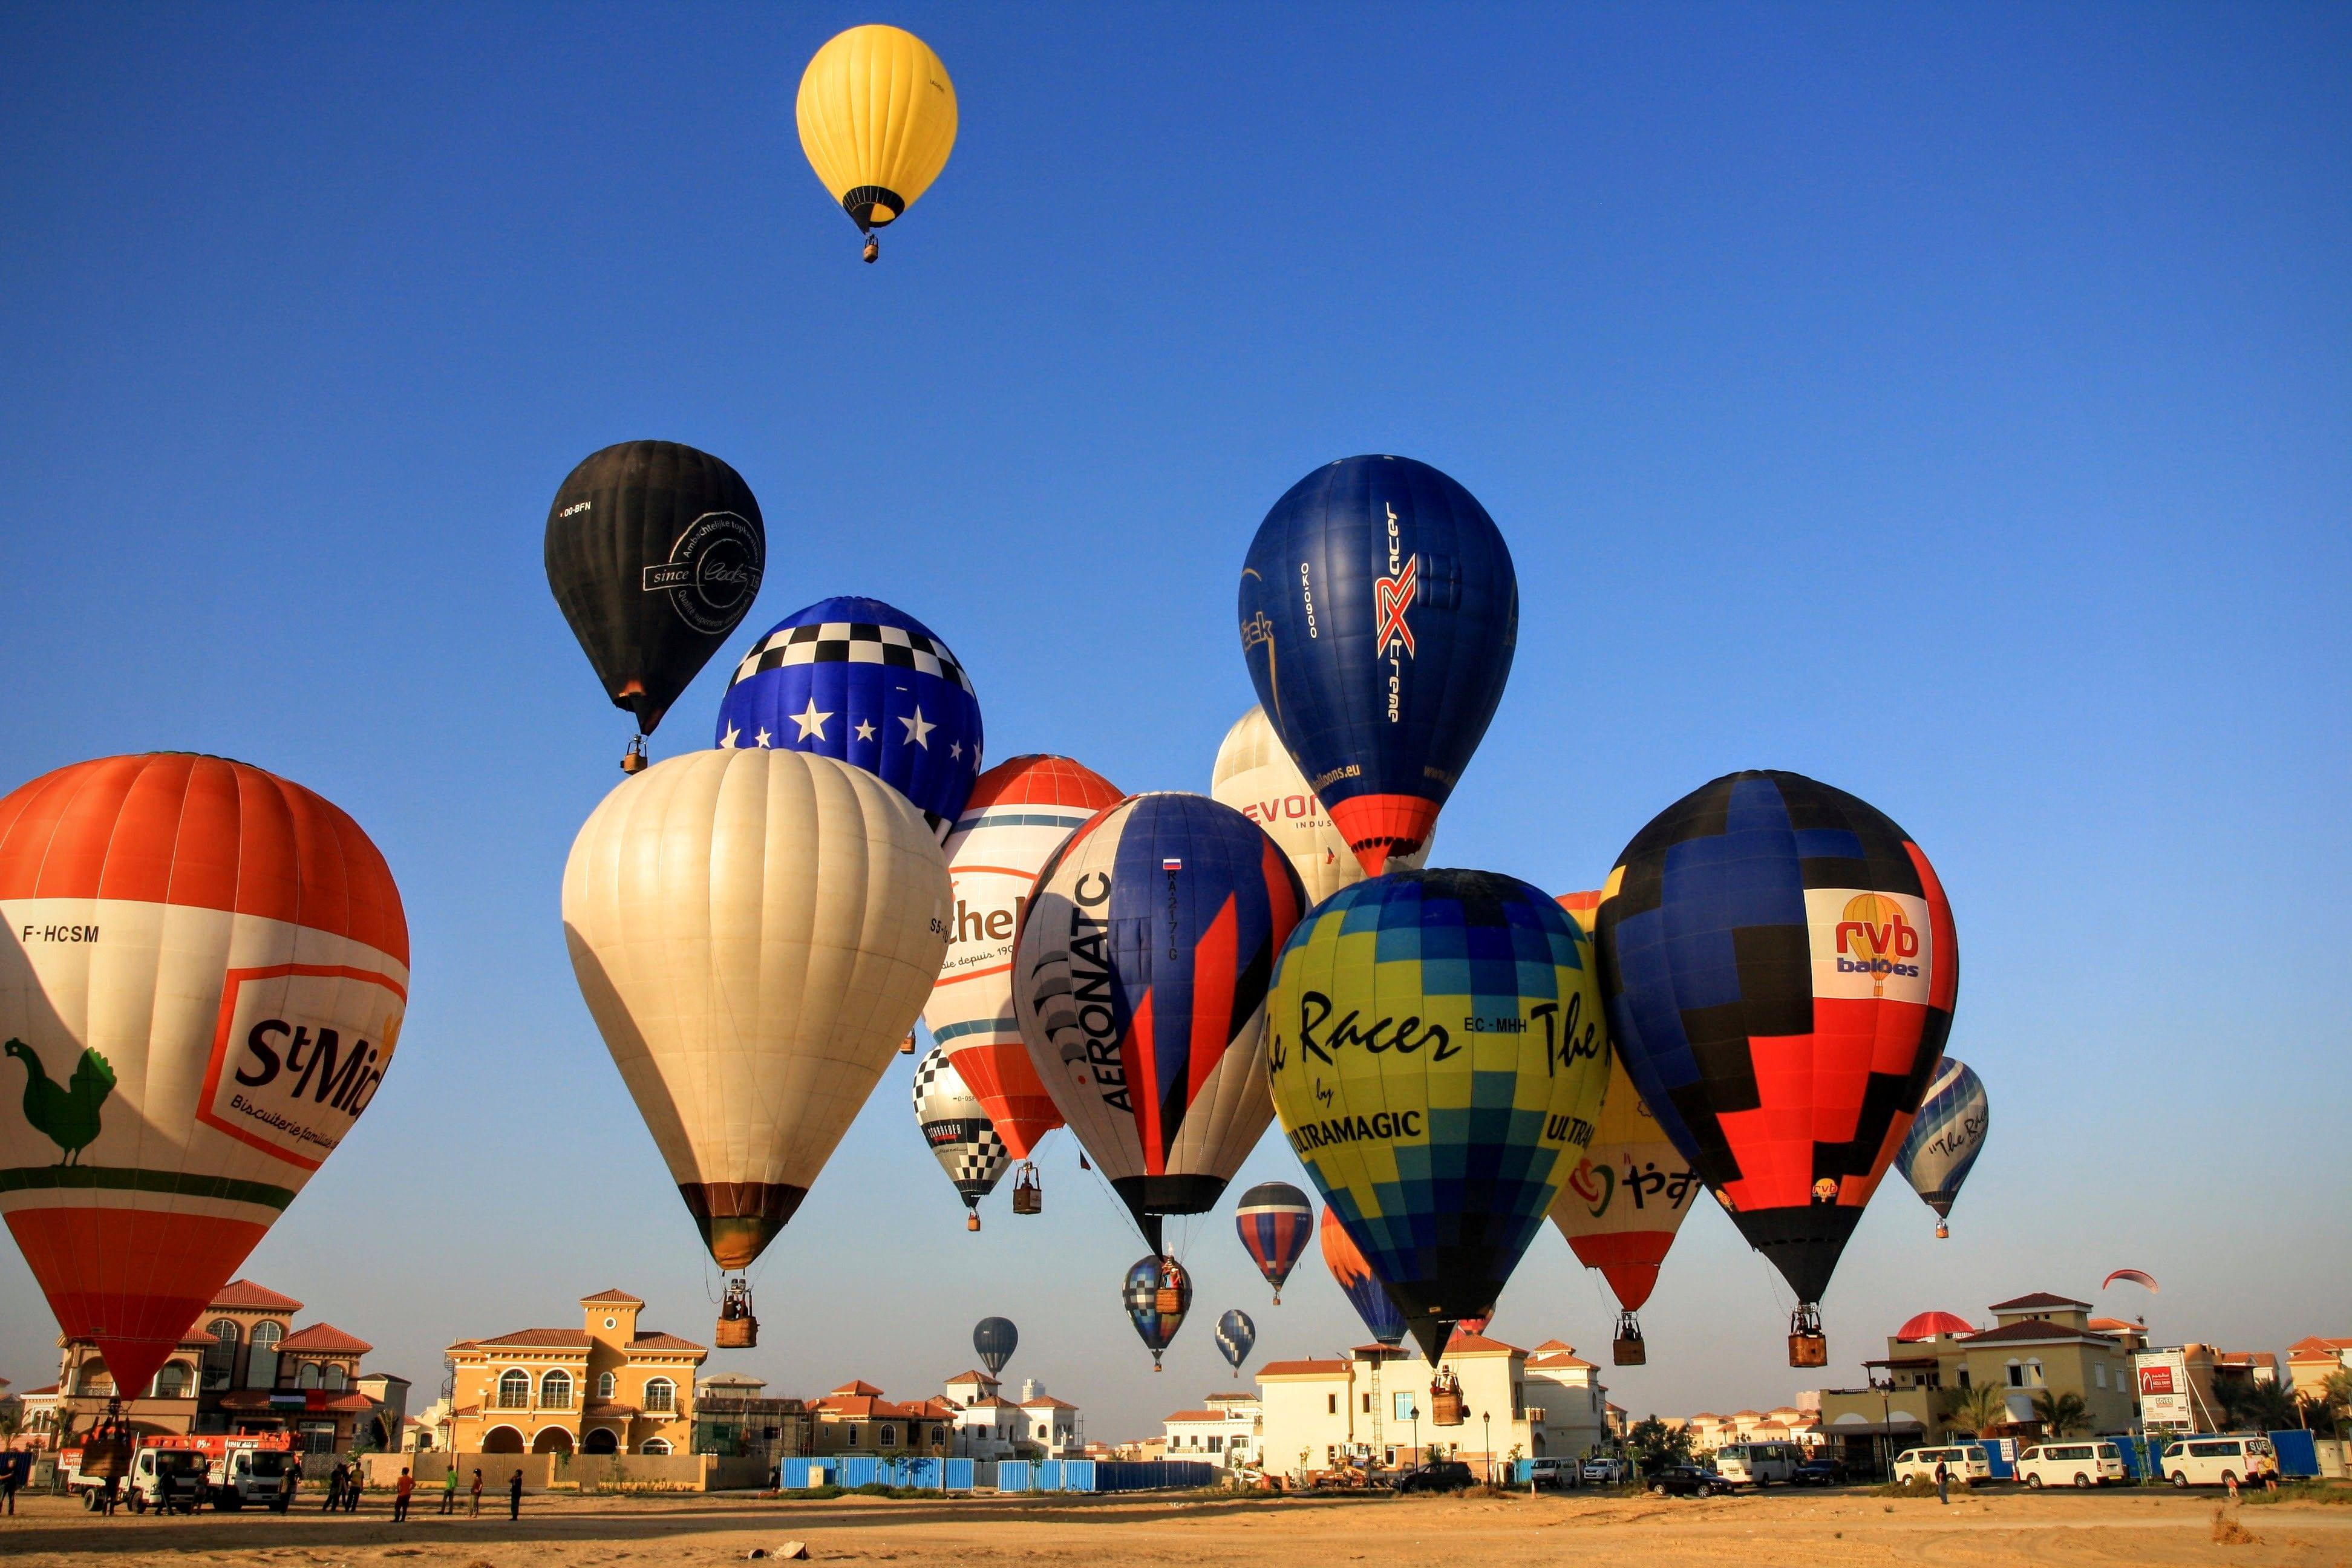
(653, 552)
(996, 1339)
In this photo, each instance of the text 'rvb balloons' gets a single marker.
(754, 932)
(201, 981)
(1019, 813)
(1622, 1203)
(995, 1340)
(958, 1132)
(1379, 613)
(1157, 1292)
(1273, 1219)
(1140, 981)
(1356, 1279)
(1780, 965)
(654, 552)
(1236, 1337)
(1255, 775)
(878, 120)
(868, 684)
(1946, 1138)
(1436, 1056)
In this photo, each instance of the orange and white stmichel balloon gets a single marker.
(201, 981)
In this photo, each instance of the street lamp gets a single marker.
(1486, 1427)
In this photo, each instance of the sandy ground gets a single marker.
(1780, 1527)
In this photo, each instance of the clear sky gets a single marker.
(1951, 403)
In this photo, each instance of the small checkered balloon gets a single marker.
(956, 1129)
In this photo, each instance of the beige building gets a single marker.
(1782, 1424)
(858, 1419)
(606, 1387)
(2312, 1360)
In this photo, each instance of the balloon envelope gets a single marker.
(1273, 1218)
(654, 552)
(1141, 1291)
(859, 681)
(996, 1339)
(1947, 1135)
(1019, 814)
(202, 984)
(878, 119)
(1780, 966)
(754, 932)
(1255, 775)
(1235, 1336)
(1362, 1287)
(956, 1129)
(1379, 613)
(1435, 1053)
(1140, 981)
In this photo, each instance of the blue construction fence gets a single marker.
(932, 1474)
(921, 1472)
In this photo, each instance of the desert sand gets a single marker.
(1812, 1527)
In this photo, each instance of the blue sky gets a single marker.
(1954, 404)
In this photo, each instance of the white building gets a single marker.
(1224, 1431)
(986, 1427)
(1568, 1409)
(1052, 1424)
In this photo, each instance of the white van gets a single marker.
(1967, 1463)
(2217, 1461)
(1756, 1464)
(2070, 1463)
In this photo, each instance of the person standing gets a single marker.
(334, 1488)
(514, 1495)
(1944, 1482)
(450, 1490)
(12, 1476)
(477, 1495)
(400, 1496)
(351, 1489)
(290, 1480)
(162, 1491)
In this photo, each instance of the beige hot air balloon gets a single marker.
(754, 930)
(1256, 776)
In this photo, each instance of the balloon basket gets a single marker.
(1943, 1233)
(1807, 1346)
(1627, 1348)
(907, 1046)
(1446, 1409)
(1028, 1193)
(1169, 1302)
(632, 760)
(737, 1334)
(971, 1222)
(873, 254)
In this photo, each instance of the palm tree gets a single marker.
(2061, 1414)
(1972, 1409)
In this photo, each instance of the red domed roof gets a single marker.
(1928, 1325)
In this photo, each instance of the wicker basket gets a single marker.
(1446, 1409)
(737, 1334)
(1809, 1349)
(1625, 1351)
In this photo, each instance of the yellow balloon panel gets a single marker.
(878, 120)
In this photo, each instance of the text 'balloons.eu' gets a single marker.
(203, 979)
(1436, 1056)
(1379, 613)
(1274, 1219)
(1946, 1138)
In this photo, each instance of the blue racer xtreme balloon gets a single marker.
(1436, 1055)
(1379, 612)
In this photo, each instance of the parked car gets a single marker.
(2217, 1461)
(1608, 1472)
(1437, 1475)
(1760, 1464)
(2070, 1463)
(1818, 1473)
(1688, 1481)
(1967, 1463)
(1553, 1472)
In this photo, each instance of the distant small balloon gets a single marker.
(1235, 1337)
(996, 1339)
(1158, 1293)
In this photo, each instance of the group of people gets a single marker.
(343, 1484)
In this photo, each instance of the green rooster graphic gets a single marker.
(68, 1114)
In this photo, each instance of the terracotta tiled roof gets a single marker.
(856, 1385)
(546, 1338)
(611, 1299)
(1244, 1394)
(245, 1296)
(1302, 1369)
(989, 1402)
(326, 1339)
(655, 1340)
(972, 1377)
(467, 1345)
(1044, 1401)
(1465, 1342)
(1549, 1346)
(605, 1410)
(2033, 1329)
(1197, 1416)
(1562, 1360)
(2310, 1343)
(465, 1410)
(51, 1388)
(863, 1407)
(2115, 1325)
(1748, 1415)
(2038, 1302)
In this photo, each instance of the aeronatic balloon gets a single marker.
(995, 1340)
(958, 1132)
(1019, 813)
(857, 680)
(1379, 612)
(1236, 1335)
(1139, 978)
(1435, 1051)
(1273, 1219)
(1255, 775)
(1158, 1293)
(1780, 966)
(1356, 1279)
(202, 984)
(1622, 1203)
(654, 552)
(754, 932)
(878, 119)
(1946, 1138)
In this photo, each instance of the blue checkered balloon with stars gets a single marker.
(858, 679)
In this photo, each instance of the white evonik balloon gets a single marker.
(1256, 775)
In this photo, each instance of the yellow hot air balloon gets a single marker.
(878, 119)
(754, 932)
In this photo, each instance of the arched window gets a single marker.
(171, 1382)
(220, 1356)
(309, 1376)
(333, 1376)
(555, 1391)
(261, 1362)
(938, 1435)
(514, 1389)
(890, 1437)
(605, 1385)
(661, 1394)
(654, 1446)
(91, 1377)
(2034, 1372)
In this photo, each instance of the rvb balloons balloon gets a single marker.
(1235, 1337)
(754, 932)
(1158, 1293)
(1379, 612)
(857, 680)
(1946, 1138)
(654, 552)
(1256, 778)
(1140, 981)
(202, 984)
(1273, 1218)
(995, 1340)
(1780, 966)
(1362, 1287)
(1622, 1203)
(878, 119)
(1434, 1047)
(1019, 814)
(957, 1130)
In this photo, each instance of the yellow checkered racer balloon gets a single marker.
(1437, 1060)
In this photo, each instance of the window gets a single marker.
(1330, 1404)
(1044, 1431)
(261, 1366)
(220, 1356)
(2099, 1373)
(654, 1446)
(939, 1433)
(853, 1434)
(1368, 1405)
(2016, 1374)
(612, 1322)
(555, 1391)
(2034, 1372)
(309, 1376)
(171, 1382)
(1963, 1377)
(334, 1376)
(605, 1385)
(1215, 1443)
(661, 1394)
(514, 1389)
(889, 1438)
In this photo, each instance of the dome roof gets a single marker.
(1928, 1325)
